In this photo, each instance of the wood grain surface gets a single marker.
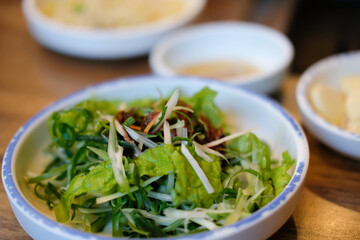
(32, 77)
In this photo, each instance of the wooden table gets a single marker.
(32, 77)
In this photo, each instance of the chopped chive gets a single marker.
(48, 174)
(129, 121)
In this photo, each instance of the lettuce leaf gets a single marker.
(203, 104)
(259, 154)
(99, 180)
(280, 176)
(76, 118)
(166, 159)
(103, 106)
(195, 191)
(274, 180)
(156, 161)
(258, 150)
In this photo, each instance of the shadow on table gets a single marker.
(333, 176)
(288, 231)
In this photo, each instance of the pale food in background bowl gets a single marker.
(339, 106)
(279, 131)
(110, 13)
(244, 54)
(106, 29)
(328, 98)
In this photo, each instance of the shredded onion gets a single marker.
(196, 213)
(206, 223)
(115, 154)
(140, 145)
(139, 138)
(162, 220)
(95, 210)
(116, 164)
(150, 180)
(179, 132)
(209, 150)
(256, 195)
(170, 106)
(197, 168)
(177, 125)
(227, 138)
(201, 153)
(128, 217)
(161, 196)
(183, 108)
(120, 129)
(110, 197)
(184, 133)
(167, 133)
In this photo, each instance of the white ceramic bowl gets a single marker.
(111, 43)
(248, 110)
(265, 48)
(329, 70)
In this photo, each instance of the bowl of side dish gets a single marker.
(106, 30)
(328, 96)
(278, 130)
(244, 54)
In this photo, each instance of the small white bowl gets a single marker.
(329, 70)
(263, 47)
(109, 43)
(274, 125)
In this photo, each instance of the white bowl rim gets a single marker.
(33, 14)
(19, 201)
(175, 38)
(301, 93)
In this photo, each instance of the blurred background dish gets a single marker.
(110, 13)
(328, 96)
(106, 29)
(244, 54)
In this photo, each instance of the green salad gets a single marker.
(155, 168)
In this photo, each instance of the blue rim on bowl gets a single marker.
(18, 199)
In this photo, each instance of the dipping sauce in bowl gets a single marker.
(225, 70)
(244, 54)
